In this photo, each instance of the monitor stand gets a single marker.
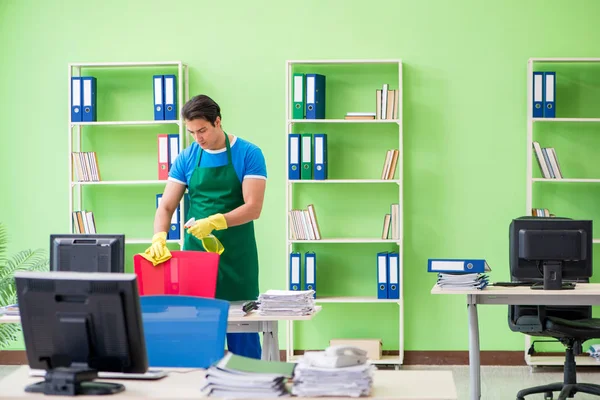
(73, 381)
(553, 278)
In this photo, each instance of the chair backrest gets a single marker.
(184, 331)
(188, 273)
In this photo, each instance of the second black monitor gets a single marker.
(87, 252)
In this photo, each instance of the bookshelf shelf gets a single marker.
(354, 300)
(122, 123)
(566, 119)
(91, 167)
(363, 81)
(346, 240)
(360, 181)
(344, 121)
(566, 180)
(142, 182)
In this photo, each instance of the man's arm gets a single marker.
(254, 193)
(168, 204)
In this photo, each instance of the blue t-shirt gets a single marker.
(247, 158)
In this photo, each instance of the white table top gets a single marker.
(251, 317)
(581, 289)
(181, 384)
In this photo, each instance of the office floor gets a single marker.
(498, 383)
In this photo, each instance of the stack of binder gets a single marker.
(308, 101)
(236, 376)
(544, 93)
(165, 97)
(388, 275)
(307, 156)
(310, 271)
(547, 161)
(83, 99)
(175, 229)
(460, 274)
(286, 302)
(168, 150)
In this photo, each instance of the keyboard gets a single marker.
(151, 374)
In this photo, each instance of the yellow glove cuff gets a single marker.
(159, 237)
(218, 221)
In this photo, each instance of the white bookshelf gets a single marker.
(292, 185)
(541, 359)
(77, 129)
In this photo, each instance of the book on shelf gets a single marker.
(390, 223)
(84, 222)
(541, 212)
(389, 166)
(547, 161)
(304, 224)
(86, 166)
(386, 102)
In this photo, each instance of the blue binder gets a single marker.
(549, 94)
(173, 148)
(538, 95)
(294, 156)
(295, 267)
(170, 86)
(88, 85)
(382, 275)
(76, 98)
(174, 228)
(393, 263)
(451, 265)
(158, 83)
(310, 270)
(315, 96)
(320, 156)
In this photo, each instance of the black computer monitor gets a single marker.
(547, 250)
(87, 252)
(76, 324)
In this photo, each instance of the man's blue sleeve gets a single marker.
(256, 167)
(177, 172)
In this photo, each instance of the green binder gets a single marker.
(299, 96)
(307, 156)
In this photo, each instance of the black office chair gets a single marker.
(572, 326)
(551, 252)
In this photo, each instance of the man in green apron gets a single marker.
(225, 176)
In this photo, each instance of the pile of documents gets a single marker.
(12, 309)
(286, 302)
(595, 351)
(237, 377)
(323, 374)
(462, 281)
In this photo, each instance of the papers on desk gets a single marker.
(286, 302)
(238, 377)
(595, 351)
(313, 380)
(461, 281)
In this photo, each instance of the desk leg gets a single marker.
(270, 351)
(474, 362)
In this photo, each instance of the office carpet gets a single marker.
(497, 383)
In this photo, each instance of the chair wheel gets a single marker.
(548, 396)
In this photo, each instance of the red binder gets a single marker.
(186, 273)
(163, 157)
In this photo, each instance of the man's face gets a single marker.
(206, 135)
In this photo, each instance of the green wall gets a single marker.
(464, 123)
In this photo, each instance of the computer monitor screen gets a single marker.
(87, 253)
(548, 250)
(77, 324)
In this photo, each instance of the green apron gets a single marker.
(215, 190)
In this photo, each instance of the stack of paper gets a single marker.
(12, 309)
(462, 281)
(318, 381)
(286, 302)
(238, 377)
(595, 351)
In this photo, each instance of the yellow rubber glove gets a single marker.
(203, 227)
(157, 252)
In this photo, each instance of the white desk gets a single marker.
(584, 294)
(182, 384)
(253, 322)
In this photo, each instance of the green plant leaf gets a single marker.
(3, 245)
(8, 334)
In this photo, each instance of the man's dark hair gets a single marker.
(201, 107)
